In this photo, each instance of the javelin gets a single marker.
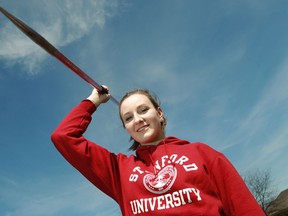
(48, 47)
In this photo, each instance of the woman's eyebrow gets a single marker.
(139, 106)
(125, 114)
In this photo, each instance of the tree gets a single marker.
(259, 183)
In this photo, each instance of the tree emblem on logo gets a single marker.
(162, 181)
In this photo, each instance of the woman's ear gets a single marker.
(160, 112)
(163, 120)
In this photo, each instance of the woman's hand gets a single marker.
(98, 98)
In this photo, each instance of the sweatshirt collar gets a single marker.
(143, 150)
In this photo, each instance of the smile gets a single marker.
(144, 127)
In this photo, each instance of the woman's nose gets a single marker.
(138, 119)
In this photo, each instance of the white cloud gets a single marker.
(262, 135)
(54, 195)
(270, 106)
(60, 22)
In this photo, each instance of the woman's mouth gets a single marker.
(144, 127)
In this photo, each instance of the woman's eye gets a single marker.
(127, 119)
(144, 110)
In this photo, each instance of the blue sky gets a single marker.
(220, 69)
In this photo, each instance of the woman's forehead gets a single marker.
(134, 101)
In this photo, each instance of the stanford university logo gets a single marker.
(162, 181)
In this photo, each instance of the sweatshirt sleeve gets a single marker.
(236, 198)
(96, 163)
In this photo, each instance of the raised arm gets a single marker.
(96, 163)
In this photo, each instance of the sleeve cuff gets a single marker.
(88, 105)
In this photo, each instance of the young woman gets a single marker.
(168, 176)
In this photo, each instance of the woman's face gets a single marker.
(142, 120)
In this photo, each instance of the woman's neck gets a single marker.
(154, 143)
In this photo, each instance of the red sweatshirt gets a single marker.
(173, 178)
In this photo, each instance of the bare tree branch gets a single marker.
(259, 183)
